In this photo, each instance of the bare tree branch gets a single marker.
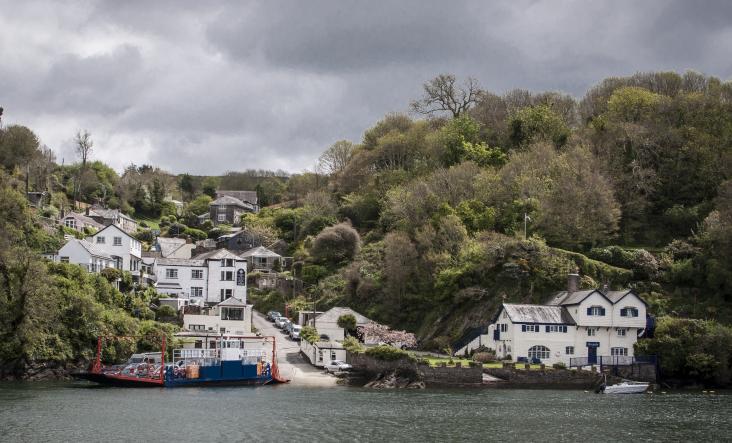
(442, 95)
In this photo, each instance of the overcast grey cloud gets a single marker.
(208, 87)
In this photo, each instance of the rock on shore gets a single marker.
(392, 380)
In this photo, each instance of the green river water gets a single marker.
(79, 412)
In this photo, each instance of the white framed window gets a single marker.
(117, 241)
(596, 311)
(197, 327)
(64, 259)
(529, 328)
(171, 273)
(227, 262)
(621, 332)
(591, 332)
(222, 217)
(196, 274)
(196, 291)
(227, 276)
(569, 350)
(504, 327)
(629, 311)
(100, 240)
(70, 223)
(619, 351)
(556, 328)
(539, 351)
(226, 293)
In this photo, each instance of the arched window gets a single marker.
(538, 351)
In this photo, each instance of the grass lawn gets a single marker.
(434, 361)
(153, 223)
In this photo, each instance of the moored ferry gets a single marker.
(232, 360)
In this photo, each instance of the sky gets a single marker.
(207, 87)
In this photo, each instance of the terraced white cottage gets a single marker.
(584, 325)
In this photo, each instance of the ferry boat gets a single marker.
(233, 360)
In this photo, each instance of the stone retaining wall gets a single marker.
(431, 376)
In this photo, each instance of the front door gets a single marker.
(591, 355)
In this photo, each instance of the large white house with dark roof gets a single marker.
(85, 254)
(208, 278)
(587, 325)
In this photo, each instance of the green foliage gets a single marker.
(347, 322)
(688, 349)
(536, 124)
(336, 244)
(387, 353)
(309, 334)
(351, 344)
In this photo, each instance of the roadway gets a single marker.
(291, 363)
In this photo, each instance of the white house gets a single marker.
(86, 254)
(122, 247)
(321, 353)
(231, 316)
(211, 277)
(327, 322)
(588, 325)
(262, 259)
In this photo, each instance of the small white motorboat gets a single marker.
(626, 387)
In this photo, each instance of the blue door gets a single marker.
(591, 355)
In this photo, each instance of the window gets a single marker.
(118, 241)
(556, 328)
(320, 355)
(538, 351)
(504, 327)
(100, 240)
(222, 217)
(197, 327)
(629, 312)
(621, 332)
(596, 310)
(227, 276)
(198, 344)
(227, 262)
(591, 332)
(70, 223)
(225, 293)
(569, 350)
(196, 274)
(232, 314)
(196, 292)
(619, 351)
(64, 259)
(530, 328)
(332, 355)
(171, 273)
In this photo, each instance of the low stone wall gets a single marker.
(546, 378)
(432, 376)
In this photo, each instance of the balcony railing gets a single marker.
(612, 360)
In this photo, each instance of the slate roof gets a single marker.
(230, 201)
(260, 251)
(538, 314)
(218, 254)
(232, 301)
(245, 196)
(109, 214)
(333, 314)
(168, 245)
(92, 249)
(565, 298)
(84, 219)
(616, 296)
(179, 262)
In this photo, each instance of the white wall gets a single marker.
(77, 254)
(211, 281)
(214, 321)
(215, 284)
(130, 250)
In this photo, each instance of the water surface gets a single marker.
(62, 412)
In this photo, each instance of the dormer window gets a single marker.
(596, 311)
(227, 262)
(629, 311)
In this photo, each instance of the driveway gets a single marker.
(290, 362)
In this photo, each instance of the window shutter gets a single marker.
(589, 311)
(547, 328)
(523, 328)
(602, 311)
(537, 328)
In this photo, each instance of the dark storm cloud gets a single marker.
(207, 87)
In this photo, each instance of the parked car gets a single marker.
(295, 332)
(280, 322)
(273, 315)
(337, 366)
(286, 325)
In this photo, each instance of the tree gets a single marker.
(335, 158)
(83, 148)
(18, 146)
(209, 186)
(441, 94)
(187, 186)
(536, 124)
(348, 323)
(336, 244)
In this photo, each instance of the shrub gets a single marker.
(309, 334)
(387, 353)
(166, 312)
(559, 365)
(484, 357)
(347, 322)
(336, 244)
(195, 234)
(351, 344)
